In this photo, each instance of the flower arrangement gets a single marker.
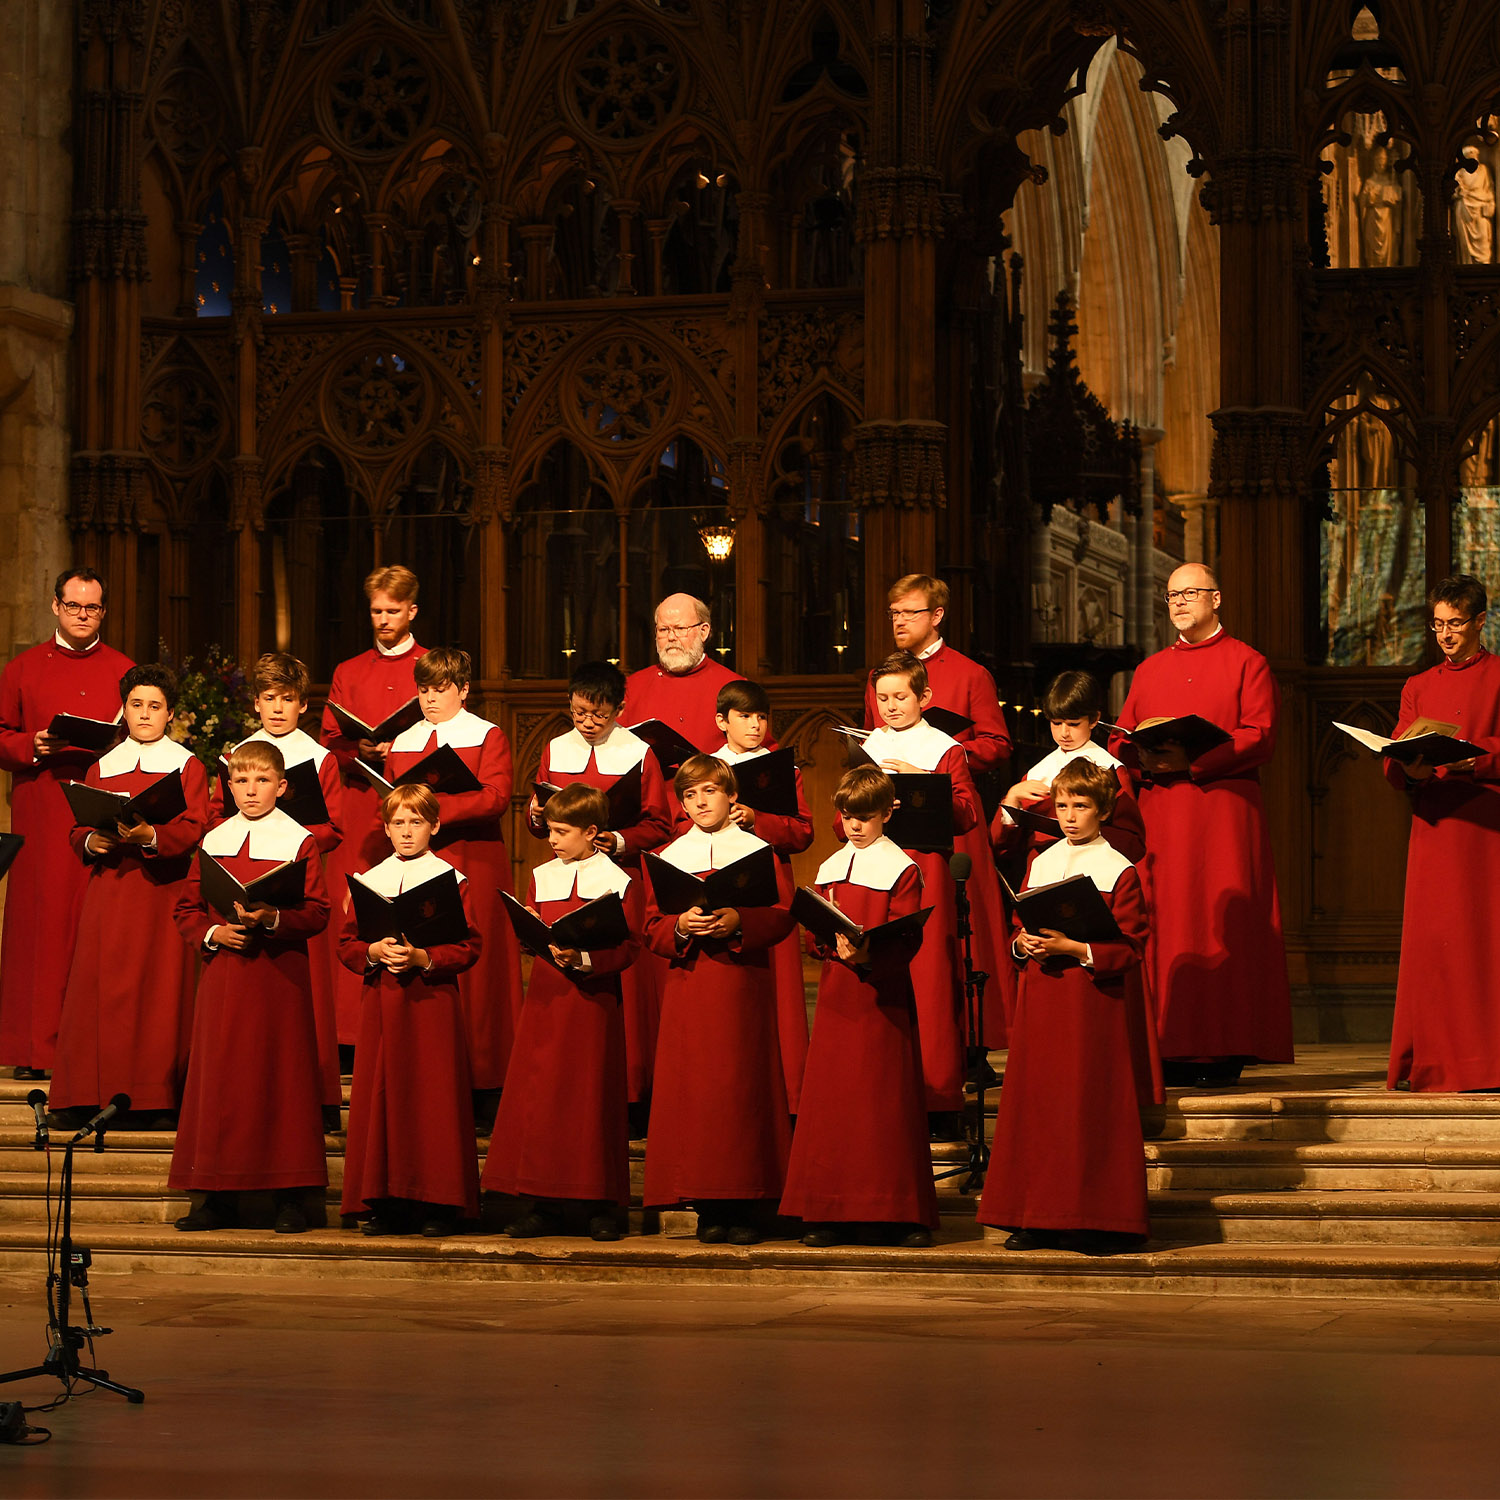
(214, 701)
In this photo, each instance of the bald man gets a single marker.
(681, 687)
(1216, 958)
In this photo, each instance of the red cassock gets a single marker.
(937, 972)
(251, 1113)
(720, 1128)
(1446, 1033)
(563, 1130)
(960, 685)
(127, 1018)
(296, 748)
(370, 686)
(470, 839)
(861, 1151)
(1068, 1151)
(44, 891)
(411, 1108)
(787, 836)
(568, 758)
(682, 700)
(1216, 959)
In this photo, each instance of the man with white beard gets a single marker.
(680, 689)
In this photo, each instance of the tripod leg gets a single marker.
(24, 1374)
(99, 1378)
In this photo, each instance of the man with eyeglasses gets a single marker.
(1446, 1033)
(916, 607)
(1216, 959)
(73, 673)
(683, 685)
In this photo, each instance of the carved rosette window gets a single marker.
(378, 402)
(625, 85)
(181, 421)
(379, 100)
(623, 392)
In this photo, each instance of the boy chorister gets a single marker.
(410, 1160)
(128, 1011)
(561, 1136)
(1068, 1169)
(743, 714)
(861, 1162)
(281, 683)
(251, 1117)
(470, 838)
(599, 751)
(905, 743)
(720, 1130)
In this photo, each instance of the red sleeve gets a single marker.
(184, 832)
(987, 745)
(193, 918)
(660, 933)
(1253, 739)
(785, 835)
(655, 826)
(762, 927)
(451, 958)
(1129, 910)
(345, 750)
(871, 716)
(310, 916)
(328, 836)
(17, 750)
(353, 952)
(220, 803)
(493, 771)
(967, 809)
(906, 897)
(1125, 829)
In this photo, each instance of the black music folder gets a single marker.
(952, 724)
(93, 735)
(768, 783)
(1073, 907)
(623, 796)
(159, 803)
(387, 729)
(596, 925)
(826, 921)
(285, 885)
(667, 744)
(442, 771)
(424, 915)
(10, 846)
(923, 819)
(1195, 734)
(749, 881)
(1427, 740)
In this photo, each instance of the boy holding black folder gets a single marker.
(470, 838)
(561, 1137)
(410, 1160)
(906, 747)
(1067, 1169)
(772, 807)
(861, 1163)
(128, 1010)
(600, 752)
(251, 1118)
(315, 796)
(720, 1130)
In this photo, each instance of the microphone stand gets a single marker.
(71, 1269)
(974, 983)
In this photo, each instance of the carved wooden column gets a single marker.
(246, 499)
(492, 486)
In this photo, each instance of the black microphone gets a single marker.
(37, 1099)
(116, 1106)
(960, 866)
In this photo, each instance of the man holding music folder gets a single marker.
(1198, 725)
(59, 711)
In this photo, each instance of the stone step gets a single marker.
(964, 1259)
(1334, 1116)
(1333, 1218)
(1288, 1166)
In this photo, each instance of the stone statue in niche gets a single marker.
(1380, 211)
(1476, 471)
(1474, 212)
(1374, 452)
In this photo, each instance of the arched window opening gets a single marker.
(1371, 204)
(214, 259)
(818, 206)
(698, 253)
(275, 269)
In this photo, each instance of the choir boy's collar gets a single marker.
(160, 757)
(295, 746)
(1098, 859)
(401, 648)
(877, 867)
(69, 649)
(1183, 644)
(1049, 765)
(734, 757)
(618, 752)
(697, 850)
(394, 874)
(464, 731)
(922, 745)
(277, 836)
(1466, 663)
(598, 875)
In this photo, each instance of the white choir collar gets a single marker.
(697, 851)
(1217, 631)
(295, 746)
(617, 753)
(921, 745)
(598, 875)
(928, 652)
(394, 874)
(1049, 765)
(73, 650)
(161, 756)
(734, 757)
(1098, 859)
(401, 648)
(877, 867)
(464, 731)
(276, 836)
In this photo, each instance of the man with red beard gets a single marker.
(916, 605)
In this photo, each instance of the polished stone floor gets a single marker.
(389, 1388)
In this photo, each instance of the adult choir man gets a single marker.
(1216, 957)
(372, 686)
(1446, 1033)
(916, 606)
(74, 673)
(682, 687)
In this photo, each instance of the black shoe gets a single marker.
(205, 1216)
(744, 1234)
(23, 1074)
(1179, 1072)
(534, 1225)
(945, 1125)
(435, 1226)
(349, 1221)
(333, 1120)
(290, 1219)
(1220, 1073)
(374, 1225)
(166, 1120)
(486, 1107)
(712, 1234)
(70, 1119)
(604, 1228)
(918, 1237)
(823, 1237)
(1028, 1239)
(1103, 1242)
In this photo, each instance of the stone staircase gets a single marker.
(1311, 1180)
